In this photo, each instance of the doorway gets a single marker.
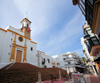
(19, 56)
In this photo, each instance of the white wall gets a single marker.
(6, 40)
(46, 61)
(85, 48)
(64, 64)
(31, 55)
(6, 52)
(18, 42)
(2, 39)
(15, 30)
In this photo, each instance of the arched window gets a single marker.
(48, 61)
(31, 48)
(27, 25)
(44, 59)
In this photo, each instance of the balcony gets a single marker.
(72, 64)
(70, 59)
(91, 42)
(95, 50)
(89, 8)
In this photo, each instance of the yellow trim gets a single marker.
(34, 42)
(24, 57)
(25, 43)
(3, 30)
(18, 34)
(15, 39)
(19, 46)
(22, 38)
(96, 15)
(12, 57)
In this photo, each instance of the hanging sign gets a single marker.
(78, 78)
(28, 29)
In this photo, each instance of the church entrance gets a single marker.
(19, 56)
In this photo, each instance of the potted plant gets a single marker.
(43, 62)
(83, 50)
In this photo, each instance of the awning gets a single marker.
(80, 66)
(86, 66)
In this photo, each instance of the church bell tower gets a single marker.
(25, 27)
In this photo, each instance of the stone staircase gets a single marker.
(26, 73)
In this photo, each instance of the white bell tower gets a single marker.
(26, 27)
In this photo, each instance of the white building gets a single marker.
(67, 61)
(16, 45)
(42, 57)
(87, 56)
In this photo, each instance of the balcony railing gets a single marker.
(91, 41)
(71, 64)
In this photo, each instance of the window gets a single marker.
(27, 25)
(20, 39)
(22, 25)
(99, 35)
(9, 53)
(69, 62)
(58, 63)
(31, 48)
(64, 58)
(44, 59)
(48, 61)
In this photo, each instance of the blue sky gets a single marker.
(56, 24)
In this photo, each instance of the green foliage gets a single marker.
(83, 61)
(43, 62)
(83, 50)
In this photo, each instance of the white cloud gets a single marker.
(42, 13)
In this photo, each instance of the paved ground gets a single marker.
(59, 81)
(88, 79)
(94, 79)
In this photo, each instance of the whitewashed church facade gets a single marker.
(16, 45)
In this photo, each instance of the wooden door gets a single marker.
(53, 64)
(19, 56)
